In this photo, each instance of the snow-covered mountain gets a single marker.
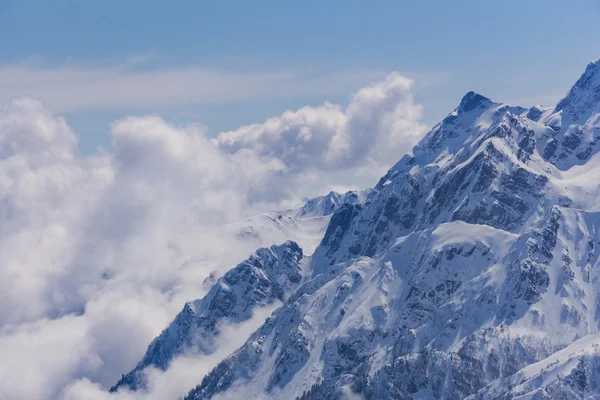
(570, 373)
(305, 225)
(469, 271)
(266, 277)
(326, 205)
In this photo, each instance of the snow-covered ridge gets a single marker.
(474, 258)
(581, 104)
(266, 277)
(305, 225)
(269, 275)
(570, 373)
(326, 205)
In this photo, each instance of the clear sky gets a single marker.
(230, 63)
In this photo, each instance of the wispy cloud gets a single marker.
(132, 83)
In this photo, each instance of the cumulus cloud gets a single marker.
(100, 252)
(380, 124)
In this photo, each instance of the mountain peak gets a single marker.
(452, 279)
(472, 101)
(325, 205)
(321, 206)
(584, 95)
(592, 68)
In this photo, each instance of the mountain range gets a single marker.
(470, 271)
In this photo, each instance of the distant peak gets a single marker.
(585, 90)
(535, 113)
(472, 101)
(594, 66)
(591, 71)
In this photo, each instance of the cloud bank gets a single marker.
(381, 122)
(100, 252)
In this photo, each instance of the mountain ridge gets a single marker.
(269, 275)
(391, 313)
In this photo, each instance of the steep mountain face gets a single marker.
(264, 278)
(470, 265)
(574, 122)
(570, 373)
(268, 276)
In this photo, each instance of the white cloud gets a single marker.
(41, 356)
(380, 124)
(100, 252)
(184, 372)
(349, 394)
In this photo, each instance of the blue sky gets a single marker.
(230, 63)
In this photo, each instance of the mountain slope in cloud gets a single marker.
(471, 267)
(108, 247)
(305, 225)
(270, 275)
(266, 277)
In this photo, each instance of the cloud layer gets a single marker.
(99, 252)
(132, 84)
